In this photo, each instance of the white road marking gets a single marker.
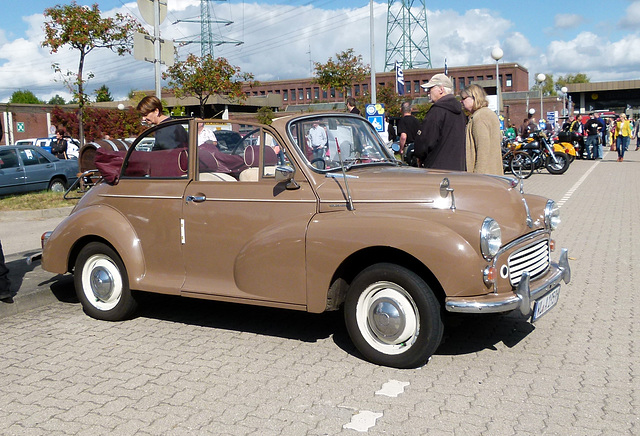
(363, 421)
(576, 185)
(392, 388)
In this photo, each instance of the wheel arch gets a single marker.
(361, 259)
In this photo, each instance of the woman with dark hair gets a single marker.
(483, 144)
(59, 146)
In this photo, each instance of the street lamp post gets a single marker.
(497, 54)
(564, 90)
(541, 78)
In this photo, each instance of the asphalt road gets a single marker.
(190, 367)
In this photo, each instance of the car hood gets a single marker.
(409, 189)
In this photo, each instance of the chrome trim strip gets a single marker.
(381, 201)
(521, 298)
(161, 197)
(258, 200)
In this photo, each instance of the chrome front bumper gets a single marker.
(521, 298)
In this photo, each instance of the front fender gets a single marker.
(428, 235)
(85, 225)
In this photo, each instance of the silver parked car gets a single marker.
(25, 168)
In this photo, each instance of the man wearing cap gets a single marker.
(441, 140)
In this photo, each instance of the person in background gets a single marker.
(351, 106)
(636, 134)
(483, 143)
(592, 130)
(317, 138)
(5, 283)
(408, 126)
(205, 135)
(528, 127)
(59, 146)
(441, 138)
(623, 131)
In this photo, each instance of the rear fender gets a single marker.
(86, 225)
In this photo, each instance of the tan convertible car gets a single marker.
(309, 213)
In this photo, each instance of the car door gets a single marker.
(244, 233)
(149, 195)
(11, 172)
(38, 170)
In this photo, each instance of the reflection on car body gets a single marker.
(254, 220)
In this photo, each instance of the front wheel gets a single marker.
(393, 316)
(521, 165)
(560, 166)
(102, 284)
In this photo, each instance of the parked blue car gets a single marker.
(25, 168)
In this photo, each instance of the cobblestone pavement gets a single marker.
(190, 367)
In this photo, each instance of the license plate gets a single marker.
(545, 304)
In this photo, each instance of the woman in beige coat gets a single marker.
(484, 138)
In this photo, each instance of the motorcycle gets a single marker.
(518, 162)
(545, 154)
(573, 139)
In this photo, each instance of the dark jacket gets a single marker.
(441, 140)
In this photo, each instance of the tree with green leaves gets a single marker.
(265, 115)
(84, 29)
(24, 97)
(551, 87)
(205, 76)
(57, 100)
(103, 94)
(342, 73)
(569, 79)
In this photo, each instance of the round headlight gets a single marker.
(551, 215)
(490, 238)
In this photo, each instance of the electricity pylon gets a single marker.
(407, 35)
(208, 40)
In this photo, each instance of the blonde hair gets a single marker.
(477, 94)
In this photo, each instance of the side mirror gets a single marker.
(285, 174)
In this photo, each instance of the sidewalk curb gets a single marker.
(41, 283)
(38, 214)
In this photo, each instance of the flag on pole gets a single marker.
(399, 79)
(446, 70)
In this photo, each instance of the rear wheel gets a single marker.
(393, 316)
(102, 284)
(57, 185)
(560, 166)
(521, 165)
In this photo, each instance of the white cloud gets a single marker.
(567, 21)
(597, 58)
(631, 19)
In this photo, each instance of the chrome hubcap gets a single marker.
(387, 319)
(101, 283)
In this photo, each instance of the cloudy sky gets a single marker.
(281, 39)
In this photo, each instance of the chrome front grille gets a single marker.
(534, 258)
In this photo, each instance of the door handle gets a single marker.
(196, 198)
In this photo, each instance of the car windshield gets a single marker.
(328, 142)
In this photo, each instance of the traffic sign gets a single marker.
(375, 115)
